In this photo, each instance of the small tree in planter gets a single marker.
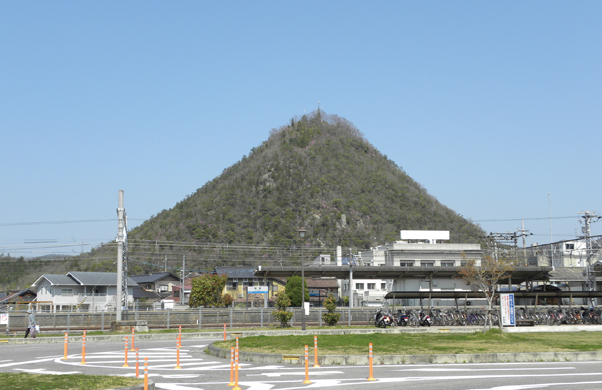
(282, 302)
(331, 318)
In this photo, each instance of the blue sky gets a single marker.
(494, 107)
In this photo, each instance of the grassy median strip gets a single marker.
(493, 341)
(24, 381)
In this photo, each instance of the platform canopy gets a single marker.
(477, 294)
(519, 275)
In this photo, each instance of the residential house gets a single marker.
(18, 300)
(320, 289)
(82, 291)
(240, 278)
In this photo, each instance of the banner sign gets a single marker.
(507, 309)
(257, 289)
(3, 318)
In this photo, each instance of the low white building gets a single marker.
(81, 291)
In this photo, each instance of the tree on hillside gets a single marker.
(293, 290)
(486, 277)
(207, 291)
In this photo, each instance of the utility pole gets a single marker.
(121, 296)
(589, 253)
(524, 233)
(183, 298)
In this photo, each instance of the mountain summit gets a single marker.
(319, 173)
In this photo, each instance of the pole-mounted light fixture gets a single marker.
(302, 235)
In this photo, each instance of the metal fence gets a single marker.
(193, 319)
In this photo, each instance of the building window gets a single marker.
(371, 286)
(163, 288)
(427, 263)
(569, 247)
(463, 263)
(359, 286)
(383, 286)
(406, 263)
(275, 288)
(66, 291)
(447, 264)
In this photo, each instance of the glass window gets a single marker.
(359, 286)
(383, 286)
(427, 263)
(406, 263)
(447, 264)
(66, 291)
(371, 286)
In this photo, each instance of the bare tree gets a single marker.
(486, 276)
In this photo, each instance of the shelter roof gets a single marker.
(153, 278)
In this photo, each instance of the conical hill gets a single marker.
(317, 172)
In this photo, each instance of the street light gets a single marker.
(302, 235)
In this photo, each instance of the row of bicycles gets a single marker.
(479, 317)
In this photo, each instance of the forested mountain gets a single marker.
(317, 172)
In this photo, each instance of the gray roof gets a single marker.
(57, 280)
(98, 278)
(152, 278)
(573, 274)
(237, 272)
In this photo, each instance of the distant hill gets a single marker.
(317, 172)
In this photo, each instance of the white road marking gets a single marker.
(44, 371)
(456, 369)
(279, 374)
(27, 362)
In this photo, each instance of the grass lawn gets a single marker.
(24, 381)
(494, 341)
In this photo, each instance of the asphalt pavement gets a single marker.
(199, 370)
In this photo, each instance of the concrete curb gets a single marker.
(362, 360)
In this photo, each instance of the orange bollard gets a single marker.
(84, 348)
(371, 378)
(316, 365)
(66, 345)
(236, 387)
(306, 381)
(133, 349)
(145, 373)
(125, 364)
(177, 367)
(137, 365)
(224, 332)
(231, 367)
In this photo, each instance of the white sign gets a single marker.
(257, 289)
(507, 308)
(306, 308)
(4, 319)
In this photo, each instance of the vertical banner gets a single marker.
(3, 318)
(507, 309)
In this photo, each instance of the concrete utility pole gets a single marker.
(589, 253)
(121, 295)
